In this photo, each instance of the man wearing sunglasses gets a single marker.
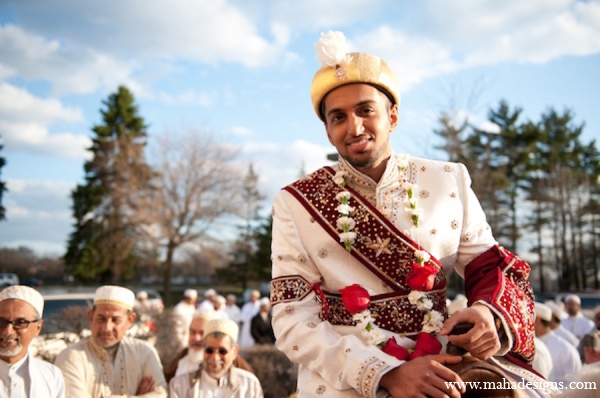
(216, 376)
(22, 375)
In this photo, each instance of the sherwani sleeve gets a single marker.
(73, 367)
(495, 277)
(343, 360)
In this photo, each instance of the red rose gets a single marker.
(355, 298)
(396, 350)
(427, 344)
(422, 277)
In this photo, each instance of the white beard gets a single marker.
(196, 356)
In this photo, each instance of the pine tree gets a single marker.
(103, 247)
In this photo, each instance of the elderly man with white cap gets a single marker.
(558, 314)
(183, 313)
(565, 358)
(216, 376)
(22, 375)
(109, 363)
(576, 322)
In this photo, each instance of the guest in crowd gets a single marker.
(191, 357)
(109, 363)
(207, 305)
(565, 358)
(249, 310)
(220, 305)
(576, 322)
(183, 312)
(261, 325)
(558, 314)
(231, 308)
(216, 376)
(22, 375)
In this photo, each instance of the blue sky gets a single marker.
(242, 70)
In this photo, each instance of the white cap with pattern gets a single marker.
(111, 294)
(24, 293)
(542, 311)
(225, 326)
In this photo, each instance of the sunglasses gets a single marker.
(221, 351)
(17, 324)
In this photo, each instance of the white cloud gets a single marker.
(241, 131)
(69, 68)
(38, 215)
(188, 97)
(203, 31)
(457, 35)
(24, 121)
(18, 104)
(330, 14)
(279, 165)
(414, 59)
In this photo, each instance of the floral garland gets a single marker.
(356, 299)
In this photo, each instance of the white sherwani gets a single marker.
(36, 377)
(565, 358)
(90, 373)
(334, 360)
(579, 325)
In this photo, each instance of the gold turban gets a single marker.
(354, 68)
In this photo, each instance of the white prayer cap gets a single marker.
(264, 301)
(572, 297)
(190, 293)
(225, 326)
(557, 311)
(542, 311)
(210, 293)
(111, 294)
(221, 300)
(142, 295)
(24, 293)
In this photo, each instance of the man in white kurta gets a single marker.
(231, 308)
(314, 258)
(576, 322)
(183, 312)
(565, 358)
(22, 375)
(558, 315)
(108, 363)
(249, 310)
(216, 376)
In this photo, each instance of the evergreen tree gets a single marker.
(2, 187)
(565, 174)
(103, 247)
(503, 160)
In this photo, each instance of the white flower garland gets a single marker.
(345, 223)
(433, 320)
